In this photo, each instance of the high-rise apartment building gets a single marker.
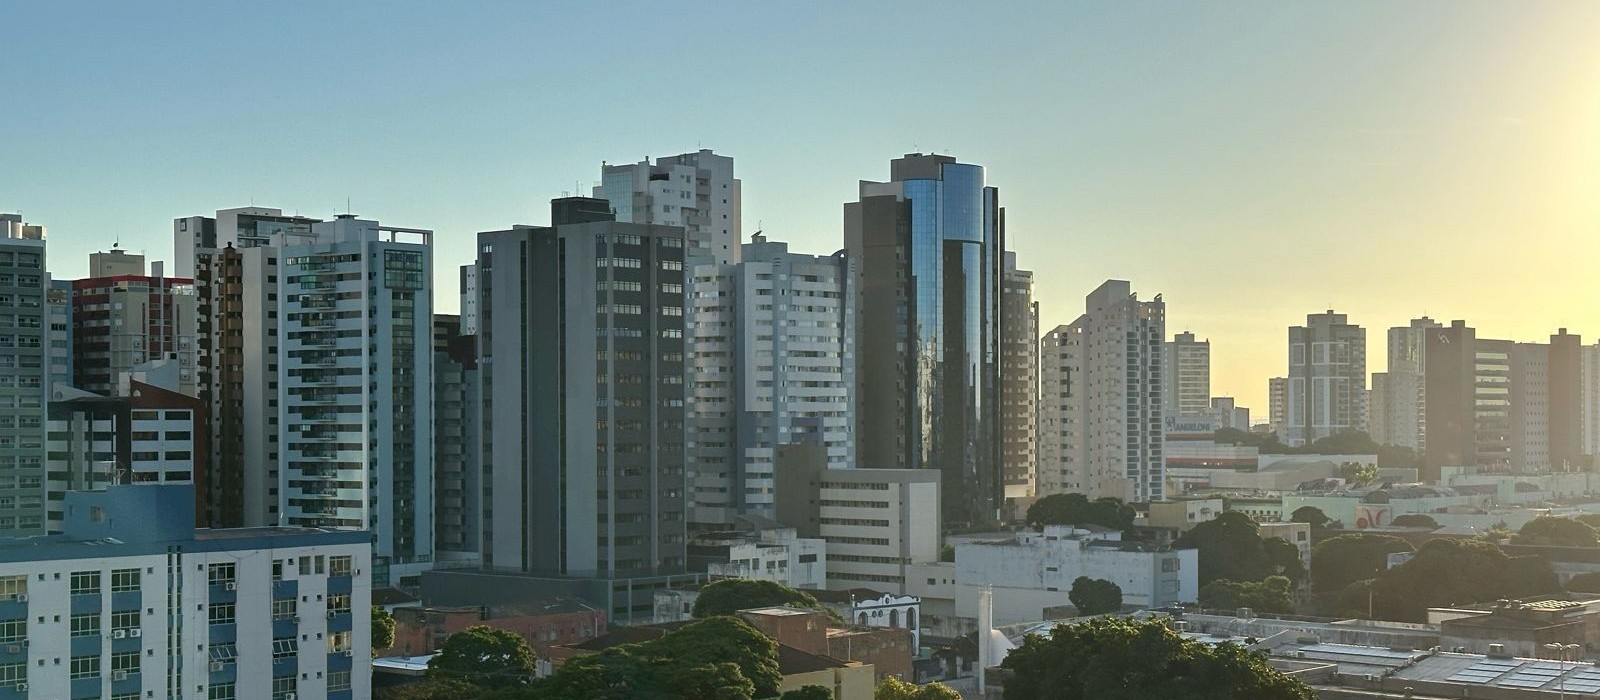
(581, 363)
(123, 317)
(1019, 380)
(926, 253)
(1327, 390)
(771, 339)
(25, 369)
(236, 259)
(1395, 416)
(58, 336)
(1123, 422)
(1187, 376)
(1566, 401)
(1278, 404)
(469, 300)
(693, 191)
(355, 419)
(1061, 467)
(458, 477)
(1589, 399)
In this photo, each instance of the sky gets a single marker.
(1252, 162)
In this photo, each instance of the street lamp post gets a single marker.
(1562, 651)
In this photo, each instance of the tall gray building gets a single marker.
(771, 342)
(458, 477)
(926, 249)
(24, 372)
(581, 363)
(1186, 374)
(1327, 389)
(695, 191)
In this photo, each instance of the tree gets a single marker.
(1585, 583)
(1230, 548)
(484, 656)
(1590, 519)
(429, 689)
(1117, 659)
(1093, 596)
(1415, 520)
(1358, 473)
(1272, 595)
(382, 629)
(1311, 515)
(1559, 532)
(730, 595)
(809, 692)
(947, 553)
(1452, 572)
(1285, 558)
(720, 658)
(1077, 509)
(1337, 562)
(895, 689)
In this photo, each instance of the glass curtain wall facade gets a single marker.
(936, 231)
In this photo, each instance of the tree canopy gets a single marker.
(1559, 532)
(1337, 562)
(720, 658)
(485, 657)
(730, 595)
(1117, 659)
(1358, 474)
(1230, 548)
(1284, 558)
(1349, 442)
(895, 689)
(1311, 515)
(1415, 520)
(1450, 572)
(382, 629)
(1077, 509)
(809, 692)
(1275, 594)
(1093, 596)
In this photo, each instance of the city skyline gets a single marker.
(1272, 130)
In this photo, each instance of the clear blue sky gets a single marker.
(1253, 161)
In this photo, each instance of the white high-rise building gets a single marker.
(696, 191)
(469, 299)
(131, 591)
(1186, 373)
(1062, 462)
(770, 342)
(355, 419)
(1104, 424)
(1327, 389)
(1395, 416)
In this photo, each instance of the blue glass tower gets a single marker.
(927, 248)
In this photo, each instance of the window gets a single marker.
(85, 582)
(284, 648)
(282, 688)
(13, 673)
(87, 625)
(338, 642)
(341, 564)
(124, 580)
(125, 661)
(283, 608)
(339, 603)
(85, 666)
(13, 630)
(221, 613)
(225, 653)
(222, 573)
(125, 620)
(338, 680)
(11, 586)
(221, 691)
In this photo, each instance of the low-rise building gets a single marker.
(1522, 628)
(1032, 572)
(544, 623)
(99, 610)
(768, 554)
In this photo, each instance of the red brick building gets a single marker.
(544, 623)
